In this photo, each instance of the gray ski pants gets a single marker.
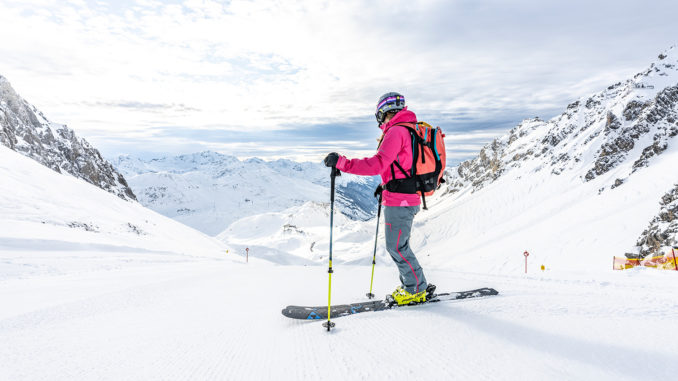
(397, 228)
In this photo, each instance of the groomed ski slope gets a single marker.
(96, 288)
(180, 318)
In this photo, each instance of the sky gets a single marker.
(300, 78)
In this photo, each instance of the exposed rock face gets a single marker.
(663, 229)
(26, 130)
(623, 127)
(487, 167)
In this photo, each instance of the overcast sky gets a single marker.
(301, 78)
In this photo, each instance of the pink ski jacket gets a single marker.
(396, 144)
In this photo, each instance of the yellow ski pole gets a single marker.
(329, 324)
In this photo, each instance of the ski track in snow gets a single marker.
(220, 319)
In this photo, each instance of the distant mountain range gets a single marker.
(209, 190)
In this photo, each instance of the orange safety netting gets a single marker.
(662, 262)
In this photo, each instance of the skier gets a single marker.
(395, 146)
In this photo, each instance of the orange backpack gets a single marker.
(428, 162)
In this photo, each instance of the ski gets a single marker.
(320, 312)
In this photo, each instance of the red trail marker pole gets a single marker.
(526, 254)
(247, 258)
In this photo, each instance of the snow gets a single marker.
(171, 304)
(44, 211)
(301, 234)
(221, 320)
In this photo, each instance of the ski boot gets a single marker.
(401, 297)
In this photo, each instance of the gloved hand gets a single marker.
(331, 159)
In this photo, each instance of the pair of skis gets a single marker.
(320, 312)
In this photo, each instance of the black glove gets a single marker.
(331, 159)
(378, 191)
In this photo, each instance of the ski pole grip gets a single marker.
(378, 192)
(335, 172)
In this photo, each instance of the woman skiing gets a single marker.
(394, 151)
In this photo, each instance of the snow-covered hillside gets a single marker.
(157, 317)
(299, 234)
(208, 190)
(44, 213)
(609, 151)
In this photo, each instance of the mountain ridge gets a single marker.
(26, 130)
(619, 130)
(210, 190)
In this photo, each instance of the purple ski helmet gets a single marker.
(389, 102)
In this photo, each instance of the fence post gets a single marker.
(526, 254)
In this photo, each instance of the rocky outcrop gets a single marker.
(663, 229)
(664, 115)
(487, 167)
(26, 130)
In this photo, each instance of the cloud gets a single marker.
(115, 71)
(142, 106)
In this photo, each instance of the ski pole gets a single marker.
(370, 295)
(329, 324)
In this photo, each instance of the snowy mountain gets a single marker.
(603, 141)
(623, 126)
(209, 190)
(574, 191)
(45, 213)
(26, 130)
